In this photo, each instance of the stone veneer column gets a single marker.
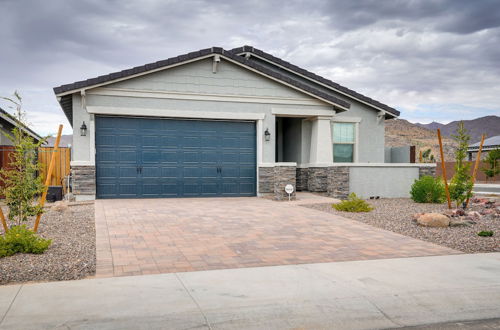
(83, 180)
(284, 175)
(301, 179)
(317, 179)
(426, 170)
(338, 182)
(266, 180)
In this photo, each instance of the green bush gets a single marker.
(20, 239)
(485, 233)
(353, 204)
(428, 189)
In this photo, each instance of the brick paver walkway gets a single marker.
(150, 236)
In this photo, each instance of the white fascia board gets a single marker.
(166, 113)
(277, 164)
(320, 83)
(301, 112)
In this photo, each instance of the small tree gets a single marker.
(461, 183)
(492, 159)
(22, 185)
(427, 156)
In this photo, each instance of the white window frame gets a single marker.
(349, 120)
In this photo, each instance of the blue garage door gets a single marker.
(148, 158)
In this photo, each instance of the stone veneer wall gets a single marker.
(274, 179)
(266, 180)
(427, 170)
(302, 175)
(83, 180)
(317, 179)
(338, 182)
(284, 175)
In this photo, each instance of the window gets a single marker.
(343, 142)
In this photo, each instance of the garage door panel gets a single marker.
(178, 158)
(168, 156)
(170, 172)
(150, 156)
(191, 172)
(127, 156)
(127, 172)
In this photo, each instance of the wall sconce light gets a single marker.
(83, 129)
(267, 135)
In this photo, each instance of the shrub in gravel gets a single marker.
(428, 189)
(20, 239)
(353, 204)
(485, 233)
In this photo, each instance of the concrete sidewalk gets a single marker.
(344, 295)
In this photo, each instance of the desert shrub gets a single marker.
(485, 233)
(428, 189)
(20, 239)
(353, 204)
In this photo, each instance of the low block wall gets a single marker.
(384, 180)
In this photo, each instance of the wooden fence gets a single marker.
(450, 171)
(61, 169)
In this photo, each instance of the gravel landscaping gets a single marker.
(71, 255)
(396, 215)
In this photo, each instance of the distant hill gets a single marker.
(400, 132)
(66, 140)
(489, 125)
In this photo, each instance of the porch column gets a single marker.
(321, 152)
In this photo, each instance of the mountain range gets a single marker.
(489, 125)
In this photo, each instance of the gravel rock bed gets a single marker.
(395, 214)
(71, 255)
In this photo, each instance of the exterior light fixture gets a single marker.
(83, 129)
(267, 135)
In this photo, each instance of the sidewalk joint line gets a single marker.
(10, 305)
(194, 300)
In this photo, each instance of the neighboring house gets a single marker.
(489, 144)
(216, 123)
(7, 124)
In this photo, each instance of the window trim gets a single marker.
(349, 120)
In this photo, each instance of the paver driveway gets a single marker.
(149, 236)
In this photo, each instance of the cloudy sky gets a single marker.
(432, 60)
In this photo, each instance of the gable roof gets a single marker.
(9, 122)
(312, 76)
(64, 92)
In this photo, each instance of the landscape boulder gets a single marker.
(433, 220)
(60, 206)
(461, 223)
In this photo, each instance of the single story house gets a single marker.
(7, 124)
(218, 122)
(489, 144)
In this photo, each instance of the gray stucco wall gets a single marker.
(196, 77)
(382, 181)
(397, 154)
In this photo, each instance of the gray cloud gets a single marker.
(405, 53)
